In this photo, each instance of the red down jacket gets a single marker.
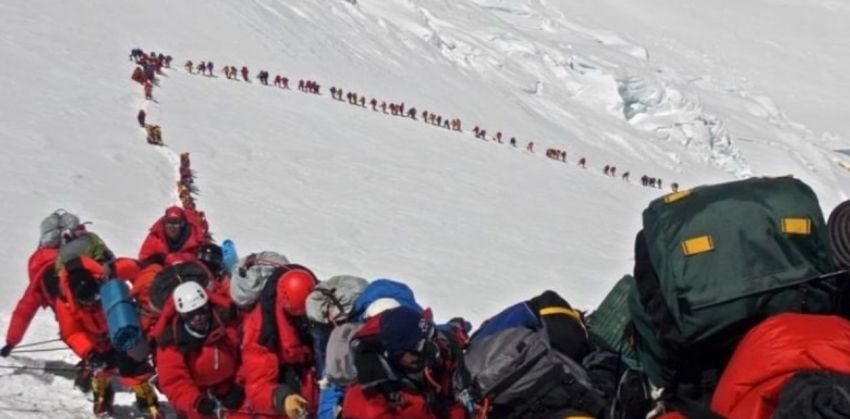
(771, 353)
(35, 296)
(189, 370)
(371, 403)
(270, 351)
(157, 246)
(83, 328)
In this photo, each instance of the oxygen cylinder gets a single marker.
(122, 315)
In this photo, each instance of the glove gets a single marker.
(295, 406)
(205, 406)
(6, 350)
(96, 361)
(234, 398)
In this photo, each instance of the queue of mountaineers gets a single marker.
(736, 308)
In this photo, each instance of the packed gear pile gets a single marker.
(737, 307)
(261, 336)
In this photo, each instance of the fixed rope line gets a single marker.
(41, 350)
(41, 342)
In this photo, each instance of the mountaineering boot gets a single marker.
(146, 400)
(103, 395)
(83, 377)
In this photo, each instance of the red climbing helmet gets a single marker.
(293, 287)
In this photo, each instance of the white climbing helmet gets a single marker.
(379, 306)
(189, 296)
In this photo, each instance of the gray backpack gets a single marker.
(332, 301)
(518, 374)
(339, 363)
(54, 225)
(250, 275)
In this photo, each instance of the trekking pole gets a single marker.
(41, 342)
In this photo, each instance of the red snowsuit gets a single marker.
(157, 245)
(187, 374)
(148, 90)
(771, 353)
(370, 403)
(82, 328)
(35, 296)
(263, 367)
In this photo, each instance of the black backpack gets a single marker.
(169, 278)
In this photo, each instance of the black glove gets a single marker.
(205, 406)
(96, 361)
(233, 400)
(6, 350)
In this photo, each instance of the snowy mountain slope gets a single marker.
(471, 225)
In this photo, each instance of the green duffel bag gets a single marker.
(609, 323)
(714, 261)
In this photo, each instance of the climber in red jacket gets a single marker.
(178, 231)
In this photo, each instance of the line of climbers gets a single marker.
(149, 65)
(766, 335)
(398, 109)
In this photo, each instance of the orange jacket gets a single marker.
(82, 328)
(141, 293)
(771, 353)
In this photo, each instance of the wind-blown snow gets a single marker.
(687, 92)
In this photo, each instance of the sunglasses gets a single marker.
(89, 301)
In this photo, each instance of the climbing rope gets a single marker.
(41, 342)
(41, 350)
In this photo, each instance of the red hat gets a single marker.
(174, 213)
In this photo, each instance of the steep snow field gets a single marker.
(687, 92)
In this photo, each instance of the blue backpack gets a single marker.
(516, 315)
